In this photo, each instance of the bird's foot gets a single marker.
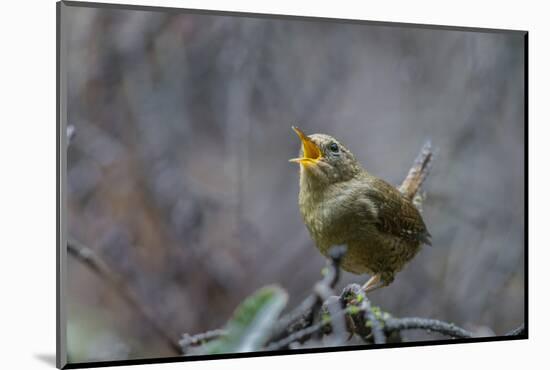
(373, 283)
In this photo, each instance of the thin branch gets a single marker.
(337, 319)
(94, 262)
(410, 323)
(517, 331)
(295, 337)
(302, 316)
(199, 339)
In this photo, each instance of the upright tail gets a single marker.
(418, 172)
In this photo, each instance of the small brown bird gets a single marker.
(343, 204)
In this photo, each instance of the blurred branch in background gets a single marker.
(95, 263)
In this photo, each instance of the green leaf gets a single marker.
(251, 324)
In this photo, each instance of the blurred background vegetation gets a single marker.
(178, 172)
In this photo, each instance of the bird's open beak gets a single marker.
(312, 153)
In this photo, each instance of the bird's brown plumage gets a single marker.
(342, 204)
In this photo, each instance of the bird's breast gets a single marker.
(327, 221)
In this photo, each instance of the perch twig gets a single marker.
(430, 325)
(365, 316)
(188, 340)
(303, 315)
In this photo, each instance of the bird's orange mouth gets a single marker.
(312, 153)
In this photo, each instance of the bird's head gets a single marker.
(323, 160)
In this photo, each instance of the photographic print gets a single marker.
(240, 184)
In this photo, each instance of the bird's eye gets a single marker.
(333, 147)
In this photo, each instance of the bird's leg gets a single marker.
(373, 283)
